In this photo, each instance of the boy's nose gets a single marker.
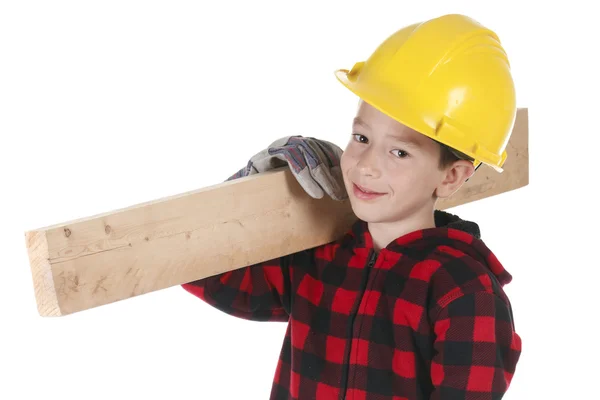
(368, 164)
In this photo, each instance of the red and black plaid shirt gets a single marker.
(424, 318)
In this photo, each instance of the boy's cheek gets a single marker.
(347, 156)
(343, 160)
(345, 163)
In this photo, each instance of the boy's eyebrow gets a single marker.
(407, 141)
(359, 121)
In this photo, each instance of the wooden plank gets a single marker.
(89, 262)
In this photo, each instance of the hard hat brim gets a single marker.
(409, 116)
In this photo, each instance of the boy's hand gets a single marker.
(314, 163)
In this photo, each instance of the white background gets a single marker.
(108, 104)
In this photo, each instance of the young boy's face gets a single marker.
(398, 163)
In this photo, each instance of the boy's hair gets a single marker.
(449, 155)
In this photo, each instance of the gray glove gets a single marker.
(314, 163)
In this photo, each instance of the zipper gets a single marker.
(363, 285)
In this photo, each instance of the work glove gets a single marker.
(314, 163)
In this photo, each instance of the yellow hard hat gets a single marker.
(448, 78)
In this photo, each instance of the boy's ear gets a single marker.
(454, 177)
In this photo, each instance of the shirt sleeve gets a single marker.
(476, 348)
(259, 292)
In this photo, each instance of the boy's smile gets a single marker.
(366, 194)
(391, 174)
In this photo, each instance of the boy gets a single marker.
(409, 303)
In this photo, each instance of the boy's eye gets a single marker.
(402, 152)
(358, 137)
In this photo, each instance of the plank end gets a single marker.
(41, 272)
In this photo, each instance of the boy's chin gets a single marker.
(369, 213)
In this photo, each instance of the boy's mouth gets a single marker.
(365, 193)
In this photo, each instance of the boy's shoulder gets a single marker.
(463, 266)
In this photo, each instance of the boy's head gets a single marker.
(408, 170)
(446, 79)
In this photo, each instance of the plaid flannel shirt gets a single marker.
(424, 318)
